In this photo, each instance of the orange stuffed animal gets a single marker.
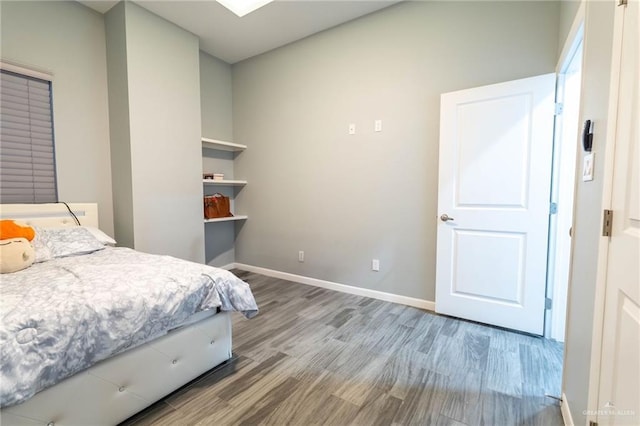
(16, 253)
(10, 229)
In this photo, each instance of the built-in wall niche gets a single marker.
(218, 157)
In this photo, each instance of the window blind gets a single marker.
(27, 156)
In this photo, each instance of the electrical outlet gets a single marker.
(300, 256)
(375, 265)
(377, 126)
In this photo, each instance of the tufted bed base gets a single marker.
(117, 388)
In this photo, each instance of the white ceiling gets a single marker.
(232, 39)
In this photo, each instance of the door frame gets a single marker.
(579, 21)
(607, 192)
(555, 318)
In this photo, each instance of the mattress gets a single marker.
(61, 316)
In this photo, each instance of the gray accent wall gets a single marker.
(587, 226)
(67, 40)
(347, 199)
(159, 64)
(216, 107)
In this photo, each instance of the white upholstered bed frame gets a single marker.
(116, 388)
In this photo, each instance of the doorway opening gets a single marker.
(563, 182)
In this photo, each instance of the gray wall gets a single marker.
(119, 125)
(588, 216)
(216, 108)
(215, 98)
(568, 10)
(163, 97)
(347, 199)
(67, 39)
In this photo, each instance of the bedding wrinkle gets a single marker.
(26, 335)
(61, 316)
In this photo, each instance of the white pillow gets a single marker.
(101, 236)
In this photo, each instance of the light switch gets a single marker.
(587, 167)
(352, 128)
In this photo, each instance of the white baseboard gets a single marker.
(566, 413)
(343, 288)
(227, 267)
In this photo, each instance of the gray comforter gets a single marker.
(62, 316)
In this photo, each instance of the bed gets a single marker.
(94, 334)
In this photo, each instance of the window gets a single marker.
(27, 159)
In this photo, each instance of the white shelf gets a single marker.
(224, 182)
(226, 219)
(222, 145)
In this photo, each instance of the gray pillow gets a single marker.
(68, 241)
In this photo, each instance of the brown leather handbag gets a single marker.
(216, 206)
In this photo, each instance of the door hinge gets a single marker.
(622, 2)
(607, 222)
(559, 108)
(547, 303)
(553, 208)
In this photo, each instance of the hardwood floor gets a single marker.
(314, 356)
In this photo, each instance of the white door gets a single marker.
(619, 396)
(493, 202)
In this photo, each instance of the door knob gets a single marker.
(445, 217)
